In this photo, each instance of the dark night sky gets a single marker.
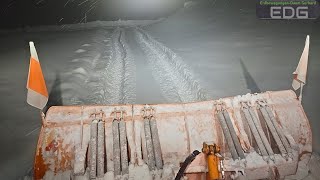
(18, 13)
(21, 13)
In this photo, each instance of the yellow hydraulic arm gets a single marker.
(213, 160)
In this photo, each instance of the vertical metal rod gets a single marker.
(301, 90)
(109, 146)
(116, 148)
(156, 143)
(123, 148)
(132, 156)
(261, 133)
(150, 151)
(138, 135)
(79, 166)
(227, 136)
(255, 132)
(100, 164)
(273, 131)
(144, 144)
(81, 129)
(279, 131)
(93, 149)
(233, 135)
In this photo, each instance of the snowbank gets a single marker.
(84, 26)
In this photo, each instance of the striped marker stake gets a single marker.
(37, 90)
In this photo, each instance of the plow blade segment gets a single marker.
(156, 143)
(233, 135)
(282, 137)
(255, 133)
(228, 136)
(124, 141)
(150, 150)
(116, 148)
(123, 148)
(93, 149)
(273, 131)
(100, 148)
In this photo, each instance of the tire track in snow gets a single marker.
(121, 72)
(103, 73)
(176, 80)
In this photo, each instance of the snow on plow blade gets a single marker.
(260, 136)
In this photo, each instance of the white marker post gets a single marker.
(300, 74)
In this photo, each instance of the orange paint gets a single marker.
(36, 80)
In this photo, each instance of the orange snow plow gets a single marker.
(255, 136)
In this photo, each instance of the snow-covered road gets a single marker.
(104, 72)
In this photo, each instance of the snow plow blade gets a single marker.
(259, 136)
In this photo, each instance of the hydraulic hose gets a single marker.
(185, 164)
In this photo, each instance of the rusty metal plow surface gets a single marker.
(261, 136)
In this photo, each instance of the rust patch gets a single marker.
(302, 140)
(67, 158)
(52, 146)
(303, 153)
(40, 167)
(276, 173)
